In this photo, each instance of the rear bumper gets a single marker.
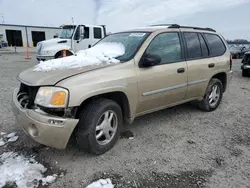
(37, 126)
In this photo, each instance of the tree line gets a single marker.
(238, 41)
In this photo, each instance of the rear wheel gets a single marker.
(213, 96)
(99, 126)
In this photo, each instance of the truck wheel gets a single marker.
(99, 126)
(244, 73)
(213, 96)
(60, 54)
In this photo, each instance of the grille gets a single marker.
(26, 95)
(39, 48)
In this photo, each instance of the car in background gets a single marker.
(238, 52)
(246, 65)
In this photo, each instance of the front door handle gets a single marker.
(211, 65)
(180, 70)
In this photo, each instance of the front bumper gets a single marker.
(44, 58)
(37, 126)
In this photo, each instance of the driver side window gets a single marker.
(167, 46)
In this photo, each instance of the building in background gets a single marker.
(26, 35)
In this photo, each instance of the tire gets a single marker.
(59, 54)
(244, 73)
(86, 131)
(205, 105)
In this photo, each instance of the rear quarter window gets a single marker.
(216, 45)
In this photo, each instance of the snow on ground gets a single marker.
(24, 172)
(12, 137)
(101, 184)
(101, 53)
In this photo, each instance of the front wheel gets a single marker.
(213, 96)
(99, 126)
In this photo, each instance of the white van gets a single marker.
(71, 39)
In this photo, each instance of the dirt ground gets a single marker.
(174, 148)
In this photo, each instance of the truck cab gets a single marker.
(71, 39)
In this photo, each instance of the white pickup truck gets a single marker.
(72, 38)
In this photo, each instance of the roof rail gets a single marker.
(190, 27)
(167, 25)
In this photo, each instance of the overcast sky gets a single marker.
(229, 17)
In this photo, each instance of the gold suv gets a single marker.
(163, 66)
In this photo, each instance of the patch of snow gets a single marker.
(11, 135)
(2, 143)
(24, 172)
(13, 139)
(105, 52)
(101, 184)
(49, 179)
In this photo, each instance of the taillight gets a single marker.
(231, 62)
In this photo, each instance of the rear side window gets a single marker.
(217, 47)
(204, 47)
(97, 33)
(193, 45)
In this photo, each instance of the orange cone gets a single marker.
(27, 53)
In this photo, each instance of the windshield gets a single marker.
(67, 32)
(132, 41)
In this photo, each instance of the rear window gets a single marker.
(246, 58)
(216, 45)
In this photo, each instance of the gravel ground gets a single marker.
(174, 148)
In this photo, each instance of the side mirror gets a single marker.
(150, 60)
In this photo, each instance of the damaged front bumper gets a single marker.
(43, 128)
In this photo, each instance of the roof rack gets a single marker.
(167, 25)
(180, 26)
(198, 28)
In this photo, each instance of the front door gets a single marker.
(166, 83)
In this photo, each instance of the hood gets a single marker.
(34, 78)
(53, 45)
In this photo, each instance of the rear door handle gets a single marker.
(211, 65)
(180, 70)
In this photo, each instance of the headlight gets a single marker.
(54, 97)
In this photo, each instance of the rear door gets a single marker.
(200, 65)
